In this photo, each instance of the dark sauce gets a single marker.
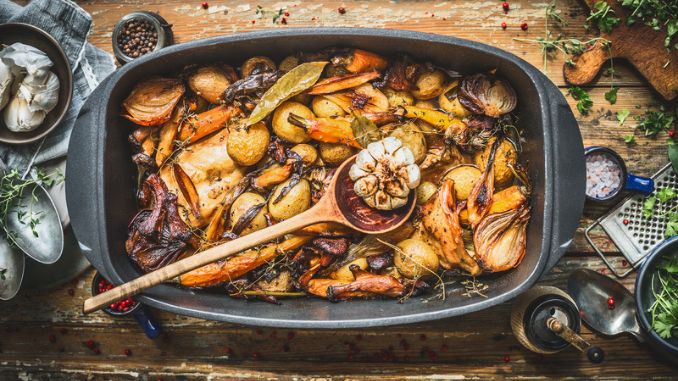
(359, 213)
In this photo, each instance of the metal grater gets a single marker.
(641, 235)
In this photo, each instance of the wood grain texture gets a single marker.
(476, 346)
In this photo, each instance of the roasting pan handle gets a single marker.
(569, 169)
(81, 187)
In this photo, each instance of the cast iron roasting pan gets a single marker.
(101, 175)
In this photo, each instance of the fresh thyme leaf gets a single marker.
(604, 16)
(622, 115)
(666, 194)
(648, 206)
(611, 96)
(584, 102)
(629, 139)
(553, 14)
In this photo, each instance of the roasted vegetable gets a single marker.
(288, 63)
(247, 145)
(398, 98)
(326, 130)
(289, 131)
(441, 221)
(505, 159)
(344, 273)
(487, 95)
(196, 127)
(480, 199)
(151, 102)
(335, 153)
(507, 199)
(325, 108)
(365, 285)
(362, 99)
(344, 82)
(438, 119)
(449, 101)
(273, 175)
(425, 191)
(247, 213)
(415, 259)
(306, 152)
(256, 65)
(168, 133)
(359, 61)
(429, 85)
(254, 85)
(465, 177)
(500, 239)
(209, 82)
(289, 199)
(384, 173)
(234, 267)
(411, 137)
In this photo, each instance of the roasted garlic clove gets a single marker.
(384, 174)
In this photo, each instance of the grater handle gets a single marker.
(644, 185)
(569, 169)
(602, 255)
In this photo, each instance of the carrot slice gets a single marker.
(198, 126)
(334, 84)
(187, 189)
(362, 61)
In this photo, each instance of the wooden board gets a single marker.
(478, 346)
(642, 46)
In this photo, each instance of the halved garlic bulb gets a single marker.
(19, 118)
(6, 78)
(384, 174)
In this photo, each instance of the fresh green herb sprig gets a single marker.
(603, 16)
(670, 215)
(656, 14)
(584, 102)
(656, 121)
(664, 309)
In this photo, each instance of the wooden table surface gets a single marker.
(43, 334)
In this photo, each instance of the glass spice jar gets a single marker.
(139, 33)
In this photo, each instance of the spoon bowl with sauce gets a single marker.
(340, 204)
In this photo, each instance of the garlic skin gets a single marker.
(384, 174)
(42, 92)
(6, 78)
(19, 118)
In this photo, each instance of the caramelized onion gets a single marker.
(500, 238)
(151, 102)
(483, 94)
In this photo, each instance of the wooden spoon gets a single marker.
(340, 204)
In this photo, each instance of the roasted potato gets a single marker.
(307, 152)
(297, 200)
(424, 191)
(429, 85)
(246, 146)
(335, 153)
(505, 156)
(343, 273)
(398, 98)
(241, 205)
(288, 63)
(411, 137)
(325, 108)
(429, 105)
(209, 82)
(284, 129)
(255, 65)
(415, 259)
(464, 177)
(449, 101)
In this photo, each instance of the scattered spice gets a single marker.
(90, 343)
(52, 339)
(503, 25)
(341, 10)
(290, 335)
(611, 304)
(63, 331)
(205, 5)
(287, 14)
(507, 358)
(523, 26)
(626, 222)
(137, 37)
(97, 351)
(422, 337)
(283, 21)
(256, 356)
(505, 6)
(119, 306)
(128, 352)
(71, 292)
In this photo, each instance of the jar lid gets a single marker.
(164, 36)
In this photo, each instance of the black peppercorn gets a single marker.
(137, 37)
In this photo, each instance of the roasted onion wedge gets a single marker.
(483, 94)
(500, 239)
(151, 102)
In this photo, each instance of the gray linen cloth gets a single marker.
(69, 25)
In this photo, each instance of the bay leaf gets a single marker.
(364, 130)
(292, 83)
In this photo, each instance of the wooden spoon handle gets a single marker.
(314, 215)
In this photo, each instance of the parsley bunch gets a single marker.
(653, 122)
(656, 14)
(604, 16)
(664, 310)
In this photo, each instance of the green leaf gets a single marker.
(622, 115)
(673, 155)
(629, 139)
(648, 206)
(666, 194)
(292, 83)
(584, 102)
(663, 328)
(611, 96)
(669, 264)
(364, 130)
(671, 229)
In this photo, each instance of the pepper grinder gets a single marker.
(546, 320)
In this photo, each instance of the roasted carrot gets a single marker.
(327, 130)
(361, 61)
(187, 189)
(334, 84)
(198, 126)
(168, 133)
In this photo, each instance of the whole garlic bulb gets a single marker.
(19, 118)
(6, 78)
(42, 93)
(384, 173)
